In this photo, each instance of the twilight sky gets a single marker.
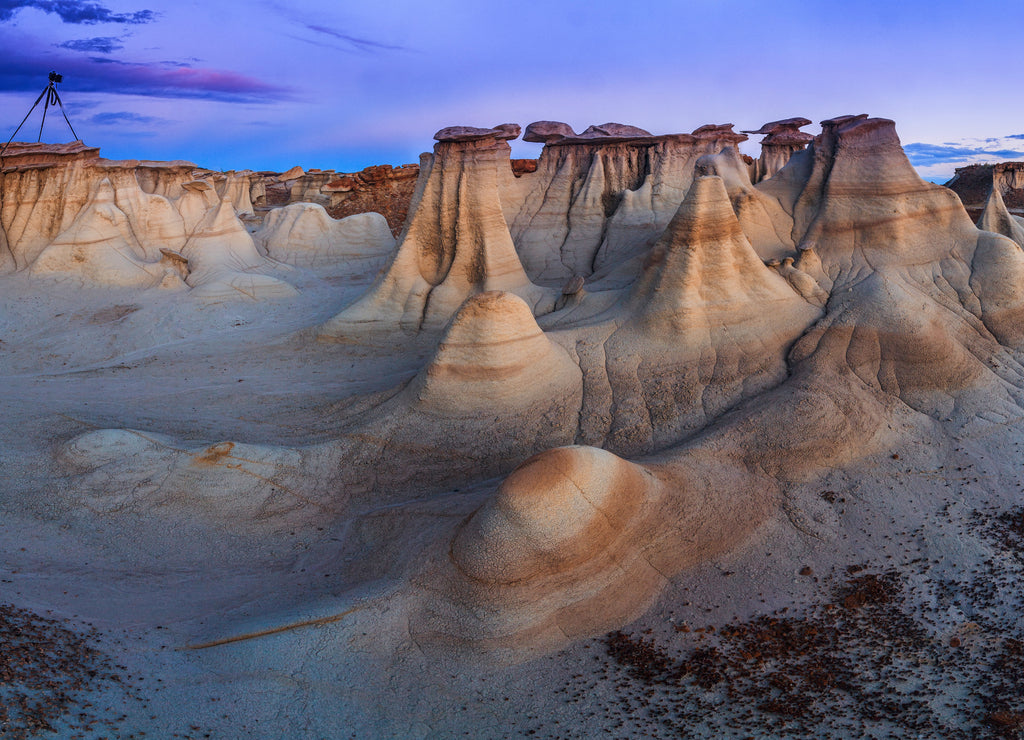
(266, 84)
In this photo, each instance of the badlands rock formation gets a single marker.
(304, 234)
(70, 215)
(381, 189)
(581, 381)
(601, 197)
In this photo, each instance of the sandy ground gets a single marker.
(321, 609)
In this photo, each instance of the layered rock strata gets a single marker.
(602, 196)
(918, 299)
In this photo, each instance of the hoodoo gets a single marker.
(997, 219)
(455, 244)
(603, 196)
(782, 140)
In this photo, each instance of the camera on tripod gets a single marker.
(52, 99)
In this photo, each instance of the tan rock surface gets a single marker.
(455, 244)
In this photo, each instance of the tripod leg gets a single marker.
(23, 122)
(46, 105)
(61, 104)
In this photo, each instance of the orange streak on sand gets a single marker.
(273, 630)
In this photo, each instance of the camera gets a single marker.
(54, 77)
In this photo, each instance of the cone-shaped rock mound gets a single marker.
(706, 324)
(996, 218)
(494, 354)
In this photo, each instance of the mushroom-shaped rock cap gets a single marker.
(840, 120)
(554, 512)
(721, 131)
(784, 133)
(616, 130)
(544, 131)
(508, 130)
(785, 124)
(470, 133)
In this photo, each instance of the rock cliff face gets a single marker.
(602, 196)
(67, 214)
(44, 189)
(973, 183)
(379, 189)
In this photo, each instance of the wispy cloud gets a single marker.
(75, 11)
(100, 44)
(117, 118)
(1015, 136)
(329, 36)
(110, 60)
(359, 43)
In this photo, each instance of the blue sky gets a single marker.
(267, 84)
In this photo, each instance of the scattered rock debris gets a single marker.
(860, 665)
(48, 674)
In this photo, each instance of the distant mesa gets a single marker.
(974, 182)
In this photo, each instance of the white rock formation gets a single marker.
(303, 234)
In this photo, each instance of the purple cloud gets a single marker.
(101, 44)
(25, 72)
(75, 11)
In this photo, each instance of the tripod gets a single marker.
(52, 98)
